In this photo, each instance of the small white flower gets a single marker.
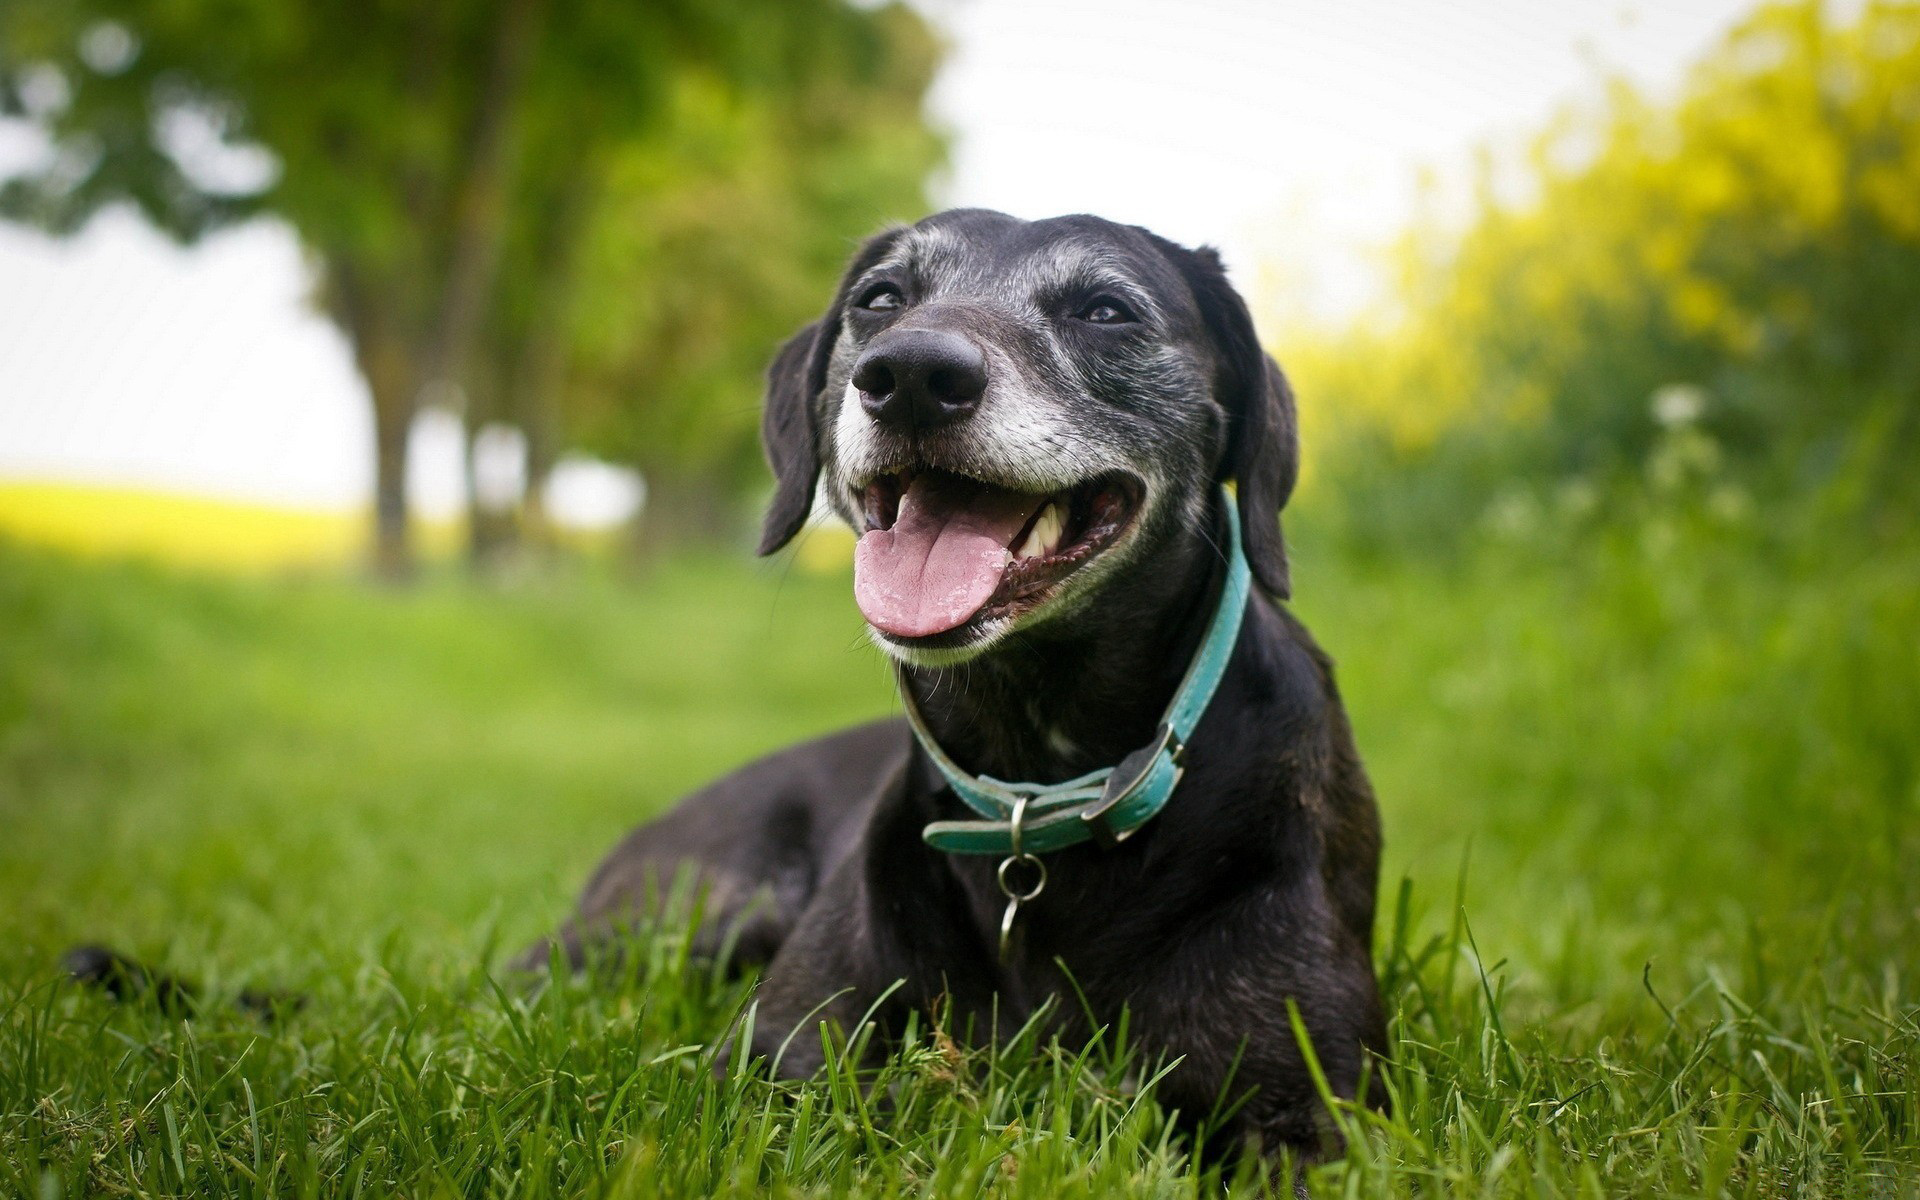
(1679, 404)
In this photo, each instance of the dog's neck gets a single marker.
(1083, 690)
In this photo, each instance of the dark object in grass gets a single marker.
(1031, 423)
(125, 979)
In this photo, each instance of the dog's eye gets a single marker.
(1105, 310)
(882, 297)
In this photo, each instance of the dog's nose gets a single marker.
(920, 379)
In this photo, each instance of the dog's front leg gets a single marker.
(829, 972)
(889, 933)
(1242, 1074)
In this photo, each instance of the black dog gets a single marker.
(1032, 423)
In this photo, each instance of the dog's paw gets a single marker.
(125, 979)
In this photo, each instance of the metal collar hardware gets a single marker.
(1021, 820)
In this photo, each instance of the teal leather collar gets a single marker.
(1105, 805)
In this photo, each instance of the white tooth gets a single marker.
(1044, 537)
(1051, 525)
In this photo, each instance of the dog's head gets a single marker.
(1015, 414)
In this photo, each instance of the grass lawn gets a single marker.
(1652, 795)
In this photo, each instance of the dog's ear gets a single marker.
(1263, 443)
(786, 434)
(787, 426)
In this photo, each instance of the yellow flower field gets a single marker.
(198, 531)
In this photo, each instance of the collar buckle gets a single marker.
(1128, 777)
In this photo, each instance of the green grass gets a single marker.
(1652, 789)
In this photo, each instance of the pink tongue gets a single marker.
(943, 557)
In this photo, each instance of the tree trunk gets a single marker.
(402, 356)
(391, 380)
(392, 537)
(361, 309)
(545, 353)
(480, 198)
(477, 222)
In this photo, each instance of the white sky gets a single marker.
(1290, 133)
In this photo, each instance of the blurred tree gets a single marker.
(661, 279)
(1757, 241)
(451, 165)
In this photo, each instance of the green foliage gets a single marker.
(1651, 779)
(590, 220)
(363, 105)
(723, 235)
(1755, 241)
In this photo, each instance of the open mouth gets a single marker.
(941, 551)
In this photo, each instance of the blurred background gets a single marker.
(379, 387)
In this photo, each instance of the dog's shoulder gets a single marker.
(1288, 726)
(1285, 676)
